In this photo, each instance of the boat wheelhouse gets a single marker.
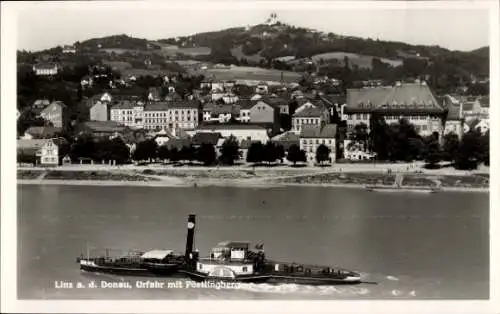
(230, 260)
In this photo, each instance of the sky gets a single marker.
(40, 27)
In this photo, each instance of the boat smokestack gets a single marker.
(191, 224)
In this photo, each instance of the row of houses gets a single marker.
(46, 152)
(415, 102)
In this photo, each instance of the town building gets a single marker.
(239, 131)
(480, 125)
(162, 137)
(106, 129)
(354, 150)
(56, 113)
(213, 112)
(99, 111)
(171, 115)
(455, 119)
(414, 102)
(128, 111)
(286, 139)
(41, 152)
(279, 103)
(69, 49)
(311, 137)
(309, 112)
(211, 138)
(475, 108)
(46, 69)
(262, 112)
(154, 94)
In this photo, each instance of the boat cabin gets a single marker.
(230, 251)
(227, 260)
(156, 255)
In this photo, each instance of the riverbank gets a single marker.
(262, 178)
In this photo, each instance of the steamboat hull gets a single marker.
(142, 270)
(200, 277)
(313, 281)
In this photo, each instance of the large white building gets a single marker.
(129, 113)
(415, 102)
(46, 69)
(171, 115)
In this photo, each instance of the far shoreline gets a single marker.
(221, 183)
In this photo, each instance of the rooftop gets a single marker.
(178, 143)
(406, 96)
(104, 126)
(167, 105)
(308, 112)
(326, 131)
(206, 138)
(45, 66)
(242, 126)
(42, 131)
(125, 104)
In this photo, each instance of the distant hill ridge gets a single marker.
(290, 44)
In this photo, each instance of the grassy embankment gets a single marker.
(283, 177)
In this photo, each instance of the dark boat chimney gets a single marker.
(191, 224)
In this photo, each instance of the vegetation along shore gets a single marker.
(250, 177)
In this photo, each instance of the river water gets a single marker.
(415, 246)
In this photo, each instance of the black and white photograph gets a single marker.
(248, 151)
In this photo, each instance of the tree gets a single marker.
(485, 144)
(119, 151)
(84, 147)
(163, 152)
(255, 153)
(230, 151)
(295, 154)
(280, 152)
(145, 150)
(174, 154)
(187, 153)
(322, 153)
(470, 151)
(270, 153)
(206, 154)
(451, 143)
(360, 134)
(433, 153)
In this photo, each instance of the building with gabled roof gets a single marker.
(43, 152)
(311, 137)
(309, 115)
(56, 113)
